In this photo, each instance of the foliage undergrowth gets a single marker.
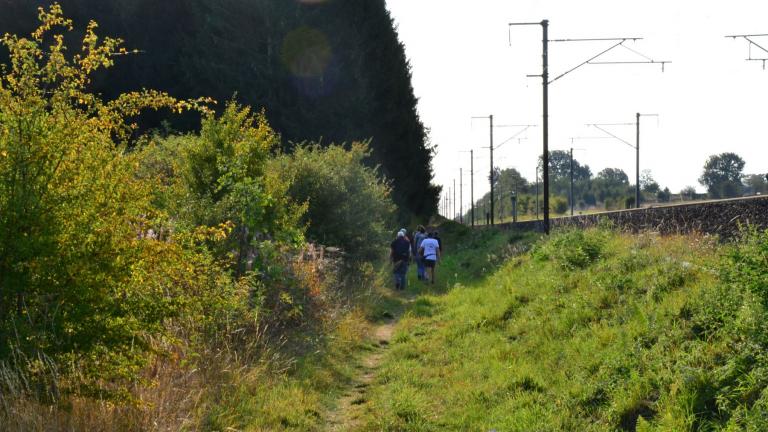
(348, 205)
(592, 331)
(160, 283)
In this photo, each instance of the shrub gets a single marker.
(559, 205)
(572, 249)
(348, 203)
(73, 254)
(131, 274)
(221, 176)
(108, 255)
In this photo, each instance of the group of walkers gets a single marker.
(421, 247)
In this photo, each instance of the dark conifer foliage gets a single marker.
(330, 70)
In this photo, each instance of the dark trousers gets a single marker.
(401, 273)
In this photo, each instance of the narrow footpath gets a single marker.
(348, 412)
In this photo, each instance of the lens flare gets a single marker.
(306, 52)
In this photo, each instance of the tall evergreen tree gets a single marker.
(333, 71)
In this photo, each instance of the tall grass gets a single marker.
(252, 376)
(592, 331)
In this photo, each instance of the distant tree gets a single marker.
(722, 175)
(589, 199)
(688, 192)
(560, 167)
(663, 195)
(756, 184)
(496, 176)
(505, 181)
(560, 176)
(610, 187)
(614, 176)
(511, 179)
(647, 183)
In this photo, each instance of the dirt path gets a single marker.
(347, 413)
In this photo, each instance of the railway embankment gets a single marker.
(723, 218)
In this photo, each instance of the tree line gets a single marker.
(610, 189)
(330, 71)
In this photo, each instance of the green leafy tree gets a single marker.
(560, 176)
(611, 186)
(614, 176)
(508, 180)
(722, 175)
(560, 166)
(220, 176)
(525, 204)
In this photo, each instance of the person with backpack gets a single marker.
(430, 253)
(418, 237)
(400, 254)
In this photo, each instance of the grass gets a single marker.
(629, 334)
(276, 391)
(470, 256)
(296, 399)
(293, 399)
(262, 381)
(588, 330)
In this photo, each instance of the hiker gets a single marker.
(405, 234)
(436, 236)
(400, 254)
(418, 237)
(430, 253)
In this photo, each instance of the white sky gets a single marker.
(709, 99)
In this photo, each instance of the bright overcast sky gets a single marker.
(709, 99)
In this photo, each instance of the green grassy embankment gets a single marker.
(591, 331)
(300, 395)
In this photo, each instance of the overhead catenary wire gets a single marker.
(750, 39)
(637, 52)
(620, 43)
(598, 126)
(515, 136)
(636, 146)
(633, 39)
(584, 63)
(545, 93)
(491, 147)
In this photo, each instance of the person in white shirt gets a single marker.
(430, 253)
